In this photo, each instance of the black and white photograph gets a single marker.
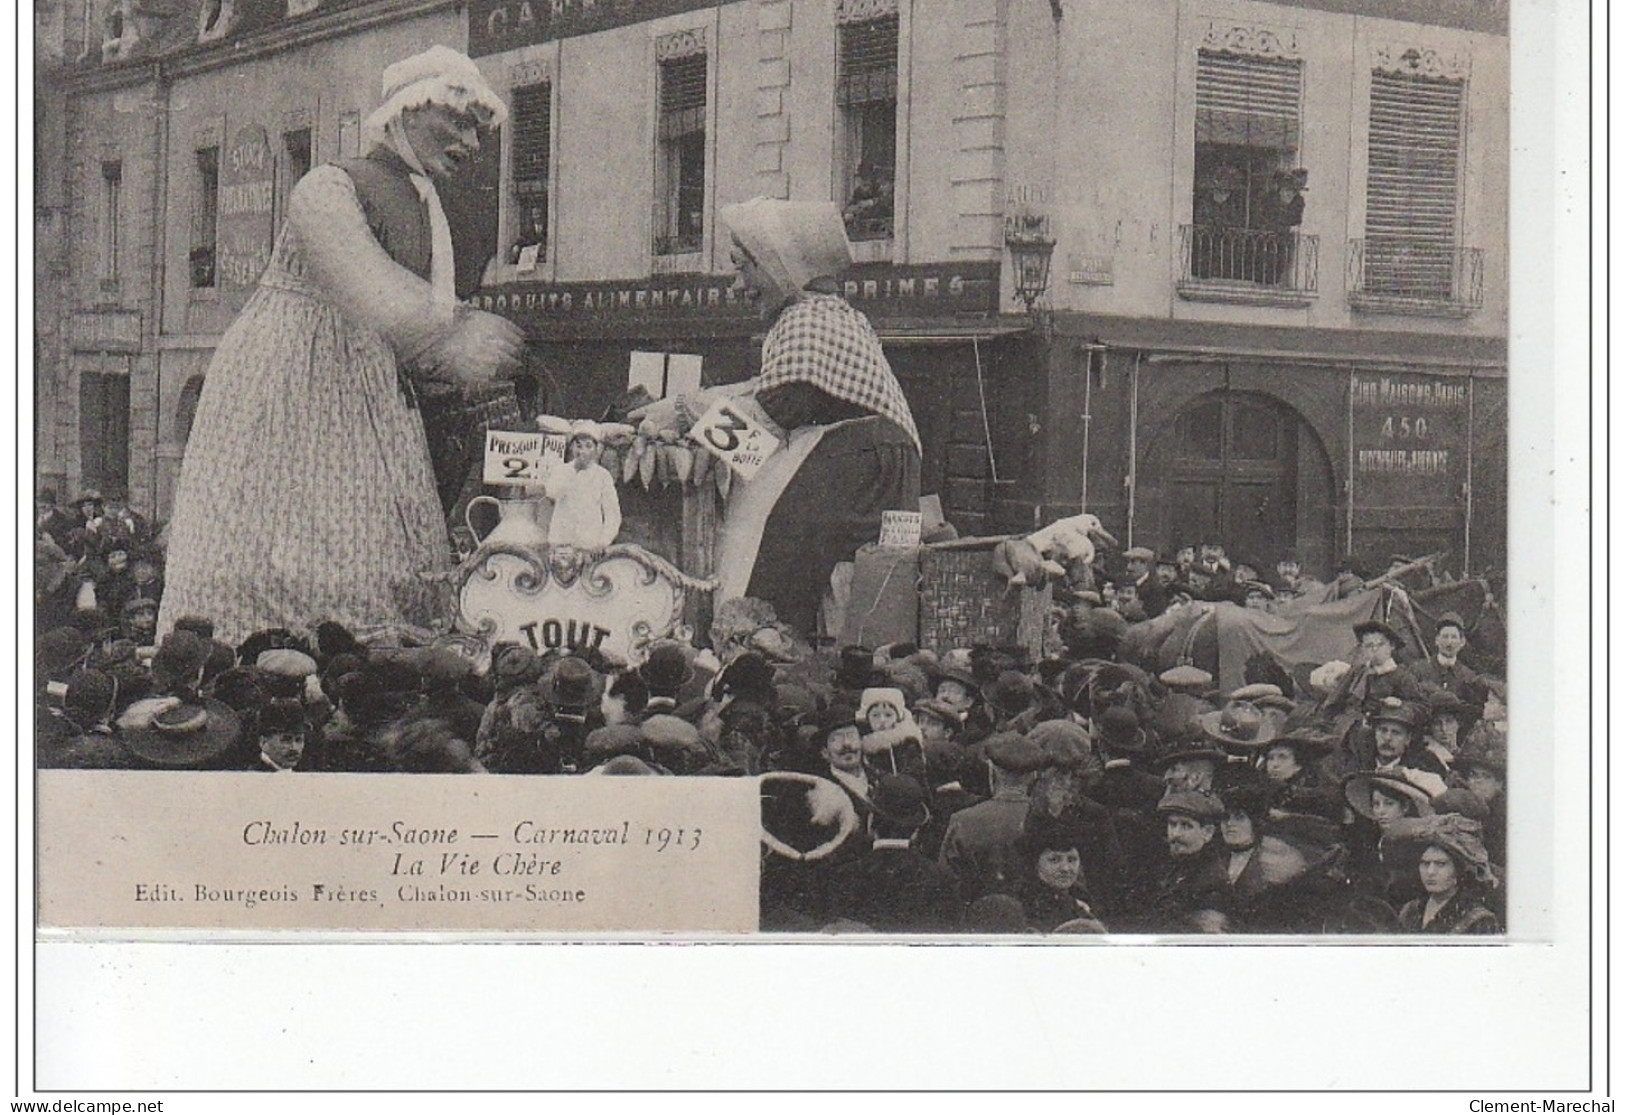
(1027, 473)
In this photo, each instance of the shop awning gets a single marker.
(939, 332)
(1227, 341)
(925, 332)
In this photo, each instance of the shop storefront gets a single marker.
(1332, 445)
(968, 374)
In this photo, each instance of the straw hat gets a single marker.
(189, 736)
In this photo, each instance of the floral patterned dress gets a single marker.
(307, 492)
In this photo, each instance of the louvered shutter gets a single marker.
(1414, 160)
(680, 169)
(868, 62)
(682, 96)
(530, 117)
(1244, 101)
(1415, 151)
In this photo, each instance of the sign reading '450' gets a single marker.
(736, 438)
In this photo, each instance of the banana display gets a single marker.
(655, 458)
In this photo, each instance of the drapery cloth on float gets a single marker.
(1304, 630)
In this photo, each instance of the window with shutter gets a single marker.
(104, 426)
(296, 161)
(866, 93)
(1412, 176)
(1247, 202)
(530, 117)
(680, 161)
(205, 218)
(1246, 101)
(112, 188)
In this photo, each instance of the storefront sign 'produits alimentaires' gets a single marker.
(879, 290)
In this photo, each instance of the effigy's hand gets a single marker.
(663, 414)
(480, 347)
(496, 341)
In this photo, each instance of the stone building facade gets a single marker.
(1276, 302)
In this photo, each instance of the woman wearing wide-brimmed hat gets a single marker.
(1242, 727)
(1456, 875)
(307, 489)
(1379, 800)
(1295, 763)
(1245, 795)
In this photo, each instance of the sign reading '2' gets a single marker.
(520, 458)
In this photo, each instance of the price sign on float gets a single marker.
(741, 442)
(900, 529)
(520, 458)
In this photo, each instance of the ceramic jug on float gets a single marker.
(523, 522)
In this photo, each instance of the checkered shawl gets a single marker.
(821, 340)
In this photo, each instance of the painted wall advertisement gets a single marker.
(247, 190)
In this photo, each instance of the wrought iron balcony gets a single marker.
(680, 244)
(1262, 267)
(869, 228)
(1404, 277)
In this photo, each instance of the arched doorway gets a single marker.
(1246, 470)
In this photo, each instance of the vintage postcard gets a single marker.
(777, 466)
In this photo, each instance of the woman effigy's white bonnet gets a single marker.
(437, 76)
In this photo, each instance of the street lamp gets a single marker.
(1031, 246)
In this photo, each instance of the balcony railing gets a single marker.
(1403, 277)
(1255, 266)
(679, 244)
(869, 226)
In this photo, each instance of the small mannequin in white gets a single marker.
(586, 507)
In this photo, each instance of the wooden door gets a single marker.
(1233, 476)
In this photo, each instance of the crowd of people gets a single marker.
(975, 790)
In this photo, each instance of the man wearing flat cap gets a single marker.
(1444, 669)
(1191, 872)
(1396, 740)
(980, 844)
(1193, 882)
